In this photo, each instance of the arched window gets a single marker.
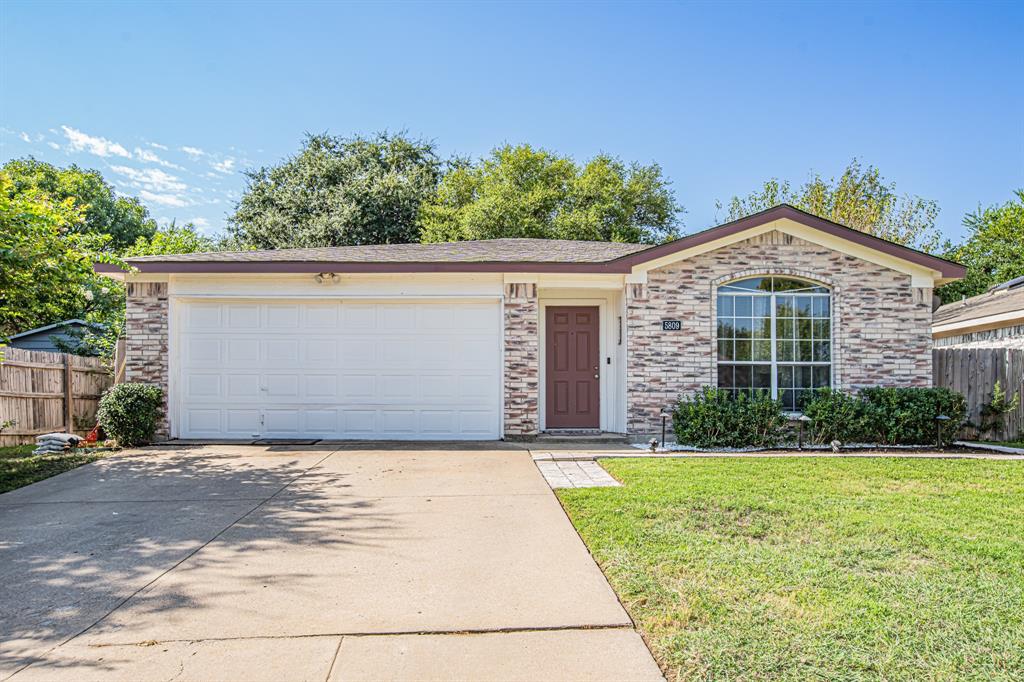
(775, 336)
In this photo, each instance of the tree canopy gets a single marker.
(994, 250)
(125, 219)
(339, 191)
(46, 262)
(860, 198)
(520, 191)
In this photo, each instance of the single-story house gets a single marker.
(993, 319)
(45, 338)
(513, 337)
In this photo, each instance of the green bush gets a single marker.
(885, 415)
(906, 416)
(128, 413)
(714, 418)
(835, 415)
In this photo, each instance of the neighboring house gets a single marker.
(511, 337)
(990, 320)
(44, 338)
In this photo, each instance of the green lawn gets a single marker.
(19, 467)
(837, 569)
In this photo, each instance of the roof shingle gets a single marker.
(483, 251)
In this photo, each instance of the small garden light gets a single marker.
(939, 421)
(665, 414)
(803, 419)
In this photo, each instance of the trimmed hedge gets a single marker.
(880, 415)
(128, 413)
(714, 418)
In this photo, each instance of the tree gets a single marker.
(860, 198)
(525, 192)
(172, 239)
(339, 191)
(46, 262)
(993, 252)
(125, 219)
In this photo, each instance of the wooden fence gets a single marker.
(974, 372)
(46, 392)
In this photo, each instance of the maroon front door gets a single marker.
(572, 366)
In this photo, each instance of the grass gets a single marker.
(1009, 443)
(19, 467)
(795, 569)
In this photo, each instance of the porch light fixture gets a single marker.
(327, 278)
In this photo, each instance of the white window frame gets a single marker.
(724, 289)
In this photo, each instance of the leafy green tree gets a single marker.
(339, 191)
(172, 239)
(994, 250)
(520, 191)
(125, 219)
(46, 263)
(860, 198)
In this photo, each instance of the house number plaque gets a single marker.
(671, 325)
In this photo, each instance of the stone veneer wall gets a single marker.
(522, 360)
(881, 326)
(146, 343)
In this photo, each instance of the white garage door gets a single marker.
(340, 369)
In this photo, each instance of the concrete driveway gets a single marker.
(305, 562)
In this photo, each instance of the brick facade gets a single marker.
(146, 344)
(522, 360)
(881, 325)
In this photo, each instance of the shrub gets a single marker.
(835, 415)
(885, 415)
(128, 413)
(906, 416)
(714, 418)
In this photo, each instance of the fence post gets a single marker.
(69, 398)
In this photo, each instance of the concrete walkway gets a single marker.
(305, 562)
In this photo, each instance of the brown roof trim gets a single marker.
(239, 267)
(946, 267)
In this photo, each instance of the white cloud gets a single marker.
(24, 137)
(163, 199)
(193, 152)
(200, 222)
(100, 146)
(150, 157)
(151, 179)
(53, 145)
(157, 145)
(226, 166)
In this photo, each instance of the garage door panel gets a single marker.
(278, 351)
(203, 386)
(243, 386)
(340, 370)
(242, 352)
(322, 350)
(241, 316)
(283, 316)
(203, 351)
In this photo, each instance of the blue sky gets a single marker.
(171, 101)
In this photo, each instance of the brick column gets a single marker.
(522, 360)
(146, 344)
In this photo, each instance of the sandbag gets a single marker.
(60, 437)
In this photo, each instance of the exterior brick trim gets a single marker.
(522, 360)
(146, 357)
